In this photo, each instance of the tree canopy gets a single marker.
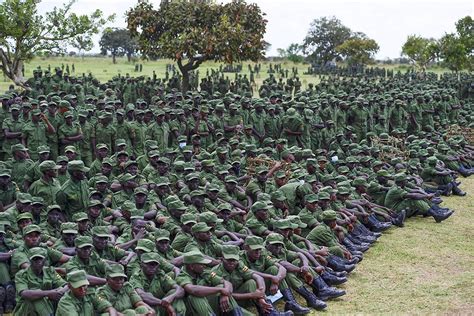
(192, 32)
(24, 32)
(421, 51)
(457, 49)
(118, 42)
(324, 35)
(358, 50)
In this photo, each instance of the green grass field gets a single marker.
(104, 69)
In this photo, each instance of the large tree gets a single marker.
(118, 42)
(192, 32)
(24, 32)
(358, 50)
(324, 35)
(421, 51)
(457, 49)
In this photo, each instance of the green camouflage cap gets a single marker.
(77, 165)
(100, 231)
(115, 270)
(83, 241)
(162, 234)
(285, 224)
(295, 219)
(200, 227)
(311, 198)
(188, 218)
(126, 177)
(209, 217)
(195, 256)
(43, 149)
(274, 238)
(37, 252)
(360, 182)
(329, 215)
(383, 173)
(224, 206)
(48, 165)
(323, 196)
(231, 252)
(278, 195)
(195, 193)
(140, 190)
(150, 257)
(136, 213)
(37, 200)
(254, 242)
(145, 245)
(93, 203)
(80, 216)
(399, 177)
(24, 198)
(69, 228)
(5, 172)
(24, 215)
(77, 278)
(177, 205)
(259, 205)
(30, 229)
(18, 147)
(70, 148)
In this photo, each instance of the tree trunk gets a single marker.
(113, 59)
(185, 83)
(129, 57)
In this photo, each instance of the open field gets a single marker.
(424, 268)
(104, 69)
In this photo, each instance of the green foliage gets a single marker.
(292, 53)
(324, 35)
(118, 42)
(421, 51)
(24, 32)
(358, 50)
(192, 32)
(456, 50)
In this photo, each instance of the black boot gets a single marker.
(438, 215)
(399, 219)
(9, 298)
(331, 279)
(339, 264)
(457, 191)
(311, 299)
(325, 292)
(353, 247)
(367, 231)
(358, 240)
(291, 304)
(377, 226)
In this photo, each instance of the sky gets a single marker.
(389, 22)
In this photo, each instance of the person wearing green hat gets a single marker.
(12, 128)
(31, 238)
(184, 236)
(8, 189)
(401, 197)
(19, 164)
(35, 132)
(442, 178)
(156, 288)
(65, 243)
(273, 272)
(159, 131)
(163, 248)
(104, 133)
(249, 287)
(77, 301)
(207, 292)
(38, 285)
(310, 213)
(203, 241)
(74, 194)
(120, 294)
(69, 133)
(47, 186)
(94, 266)
(324, 236)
